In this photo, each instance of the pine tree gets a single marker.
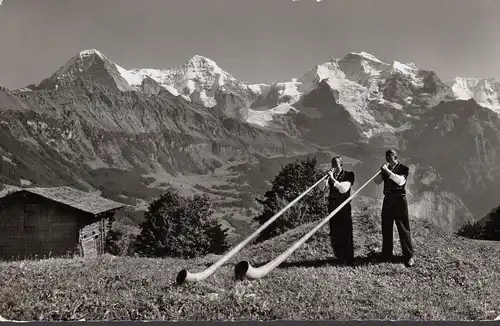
(291, 181)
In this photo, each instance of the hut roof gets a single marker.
(81, 200)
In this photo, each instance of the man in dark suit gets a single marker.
(395, 208)
(340, 182)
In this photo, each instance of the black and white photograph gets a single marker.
(249, 160)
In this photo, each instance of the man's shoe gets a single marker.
(410, 262)
(386, 258)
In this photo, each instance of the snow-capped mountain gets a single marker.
(196, 81)
(379, 96)
(365, 86)
(94, 64)
(485, 91)
(200, 78)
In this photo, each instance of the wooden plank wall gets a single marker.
(30, 228)
(93, 238)
(90, 239)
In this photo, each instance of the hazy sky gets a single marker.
(255, 40)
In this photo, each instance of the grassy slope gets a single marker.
(454, 279)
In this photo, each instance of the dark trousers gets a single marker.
(395, 209)
(341, 233)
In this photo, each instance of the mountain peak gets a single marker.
(201, 62)
(94, 64)
(89, 52)
(84, 59)
(362, 55)
(200, 58)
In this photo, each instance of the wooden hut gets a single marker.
(56, 221)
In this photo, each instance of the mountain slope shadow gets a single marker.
(461, 140)
(322, 120)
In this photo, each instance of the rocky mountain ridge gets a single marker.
(359, 79)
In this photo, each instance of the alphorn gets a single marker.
(185, 275)
(244, 268)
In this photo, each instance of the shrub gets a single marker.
(291, 181)
(490, 230)
(180, 227)
(119, 241)
(471, 230)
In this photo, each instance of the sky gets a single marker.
(254, 40)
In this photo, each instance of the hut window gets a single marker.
(30, 220)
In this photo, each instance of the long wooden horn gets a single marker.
(184, 275)
(244, 268)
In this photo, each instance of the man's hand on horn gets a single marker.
(385, 167)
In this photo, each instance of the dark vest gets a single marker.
(391, 188)
(335, 195)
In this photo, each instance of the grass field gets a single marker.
(454, 279)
